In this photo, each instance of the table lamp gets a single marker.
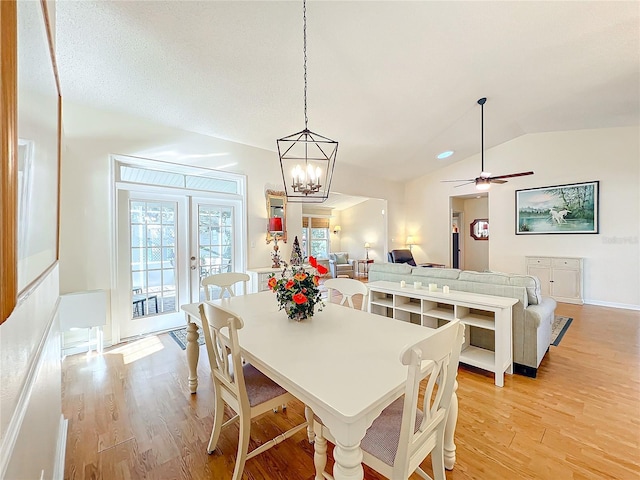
(410, 242)
(367, 247)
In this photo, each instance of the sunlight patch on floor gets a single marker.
(138, 349)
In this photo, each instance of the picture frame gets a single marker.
(559, 209)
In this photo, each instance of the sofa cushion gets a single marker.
(445, 273)
(531, 284)
(492, 278)
(398, 268)
(342, 258)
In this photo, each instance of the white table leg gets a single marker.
(348, 464)
(320, 454)
(450, 430)
(193, 353)
(308, 415)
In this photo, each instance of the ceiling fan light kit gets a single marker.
(484, 180)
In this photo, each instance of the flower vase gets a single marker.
(295, 315)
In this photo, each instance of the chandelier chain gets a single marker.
(304, 31)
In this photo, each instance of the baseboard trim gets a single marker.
(525, 370)
(15, 424)
(624, 306)
(61, 450)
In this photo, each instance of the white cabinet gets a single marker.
(260, 277)
(432, 309)
(560, 277)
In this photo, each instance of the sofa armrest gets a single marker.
(543, 312)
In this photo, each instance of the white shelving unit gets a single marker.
(432, 309)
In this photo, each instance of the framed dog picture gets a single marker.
(571, 208)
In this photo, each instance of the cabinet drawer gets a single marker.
(566, 262)
(538, 261)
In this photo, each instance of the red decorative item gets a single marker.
(275, 224)
(313, 262)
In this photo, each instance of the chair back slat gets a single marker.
(224, 353)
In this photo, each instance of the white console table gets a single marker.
(430, 309)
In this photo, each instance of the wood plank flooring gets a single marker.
(131, 416)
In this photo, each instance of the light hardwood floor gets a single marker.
(131, 416)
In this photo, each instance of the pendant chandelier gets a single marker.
(307, 159)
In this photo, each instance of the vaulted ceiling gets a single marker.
(394, 82)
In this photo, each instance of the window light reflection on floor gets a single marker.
(139, 349)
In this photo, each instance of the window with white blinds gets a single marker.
(315, 237)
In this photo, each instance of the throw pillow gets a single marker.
(342, 258)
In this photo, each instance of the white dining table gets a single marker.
(342, 363)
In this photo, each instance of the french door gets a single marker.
(166, 245)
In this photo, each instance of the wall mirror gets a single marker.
(277, 208)
(480, 229)
(30, 186)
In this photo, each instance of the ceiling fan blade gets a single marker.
(463, 184)
(465, 180)
(511, 175)
(493, 180)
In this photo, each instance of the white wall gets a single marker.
(362, 223)
(612, 258)
(31, 379)
(92, 135)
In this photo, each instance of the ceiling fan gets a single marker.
(484, 180)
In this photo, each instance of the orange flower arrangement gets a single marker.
(298, 294)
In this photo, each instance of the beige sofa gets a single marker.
(532, 316)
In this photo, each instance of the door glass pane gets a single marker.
(215, 235)
(153, 254)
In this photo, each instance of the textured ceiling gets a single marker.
(394, 82)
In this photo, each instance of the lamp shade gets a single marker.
(410, 240)
(366, 245)
(275, 224)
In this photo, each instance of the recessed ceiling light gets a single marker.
(443, 155)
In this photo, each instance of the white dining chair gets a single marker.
(247, 391)
(226, 283)
(406, 431)
(348, 288)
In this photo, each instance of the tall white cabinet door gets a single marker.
(544, 275)
(566, 283)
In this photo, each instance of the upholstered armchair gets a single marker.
(340, 264)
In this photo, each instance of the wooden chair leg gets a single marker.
(437, 457)
(218, 415)
(243, 447)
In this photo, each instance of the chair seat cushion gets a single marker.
(383, 436)
(260, 388)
